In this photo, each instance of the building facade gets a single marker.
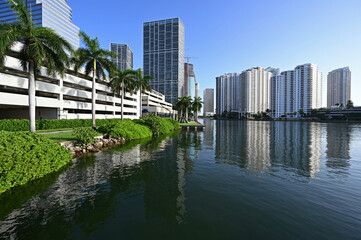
(296, 90)
(124, 60)
(189, 80)
(69, 97)
(198, 90)
(338, 87)
(55, 14)
(247, 93)
(154, 102)
(208, 102)
(163, 56)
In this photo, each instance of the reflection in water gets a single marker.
(259, 145)
(338, 147)
(188, 185)
(208, 136)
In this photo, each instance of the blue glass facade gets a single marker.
(55, 14)
(163, 56)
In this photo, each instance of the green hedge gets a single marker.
(127, 129)
(23, 124)
(27, 156)
(158, 125)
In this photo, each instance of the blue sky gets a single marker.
(234, 35)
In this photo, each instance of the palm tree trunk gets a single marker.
(93, 96)
(196, 116)
(141, 103)
(31, 93)
(122, 103)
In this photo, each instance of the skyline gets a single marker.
(280, 34)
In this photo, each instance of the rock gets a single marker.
(106, 136)
(99, 144)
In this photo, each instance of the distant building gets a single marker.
(124, 60)
(163, 56)
(246, 93)
(295, 90)
(55, 14)
(189, 80)
(197, 90)
(208, 102)
(338, 87)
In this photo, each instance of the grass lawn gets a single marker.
(54, 130)
(61, 137)
(189, 124)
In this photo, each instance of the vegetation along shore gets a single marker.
(26, 156)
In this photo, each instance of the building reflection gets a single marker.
(338, 147)
(208, 134)
(257, 146)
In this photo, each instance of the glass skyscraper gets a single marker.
(125, 56)
(163, 56)
(55, 14)
(189, 80)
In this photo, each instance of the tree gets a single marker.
(40, 46)
(143, 85)
(179, 106)
(187, 104)
(341, 105)
(337, 104)
(197, 106)
(96, 62)
(301, 112)
(123, 82)
(349, 104)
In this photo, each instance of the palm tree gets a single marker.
(187, 103)
(123, 82)
(96, 62)
(142, 84)
(41, 46)
(179, 106)
(197, 106)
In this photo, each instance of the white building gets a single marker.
(197, 93)
(246, 93)
(338, 87)
(58, 98)
(208, 102)
(154, 102)
(295, 90)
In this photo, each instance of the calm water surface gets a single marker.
(235, 180)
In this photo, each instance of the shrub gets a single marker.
(27, 156)
(158, 125)
(85, 136)
(14, 125)
(126, 129)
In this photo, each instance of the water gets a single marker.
(235, 180)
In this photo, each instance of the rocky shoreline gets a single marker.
(101, 143)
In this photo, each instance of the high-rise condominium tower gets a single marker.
(163, 56)
(245, 93)
(338, 87)
(124, 60)
(295, 90)
(208, 99)
(55, 14)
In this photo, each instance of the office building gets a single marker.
(55, 14)
(154, 102)
(295, 90)
(124, 60)
(208, 102)
(338, 87)
(163, 56)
